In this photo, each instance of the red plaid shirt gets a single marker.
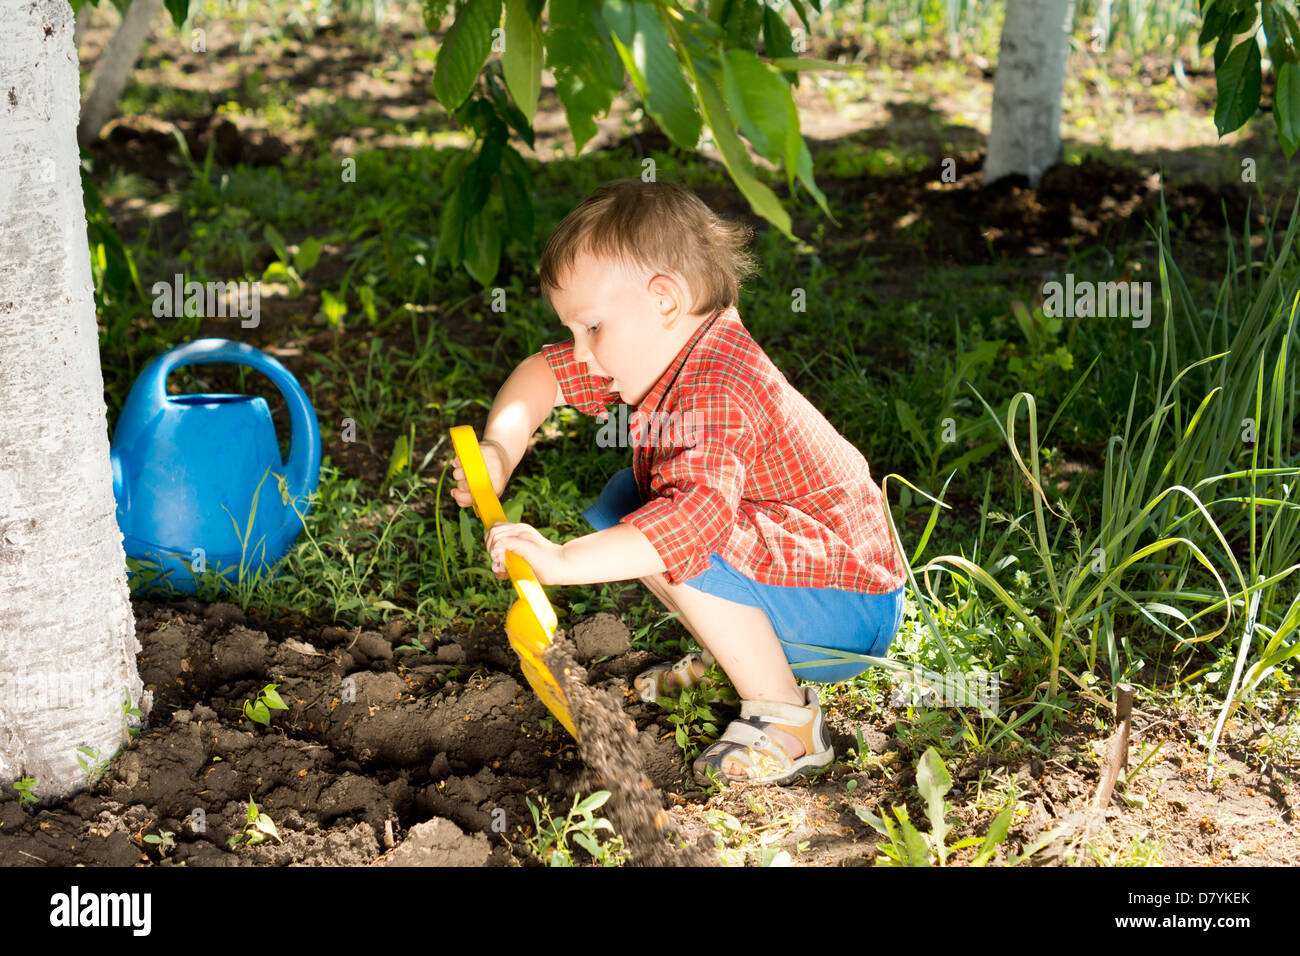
(729, 457)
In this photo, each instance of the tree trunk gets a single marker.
(67, 635)
(114, 68)
(1026, 130)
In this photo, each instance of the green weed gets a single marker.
(259, 709)
(550, 839)
(907, 846)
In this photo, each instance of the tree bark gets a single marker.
(67, 634)
(1025, 136)
(114, 68)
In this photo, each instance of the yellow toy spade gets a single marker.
(531, 621)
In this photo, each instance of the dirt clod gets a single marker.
(601, 635)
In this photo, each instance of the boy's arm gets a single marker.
(619, 553)
(523, 403)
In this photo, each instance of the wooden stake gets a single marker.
(1117, 751)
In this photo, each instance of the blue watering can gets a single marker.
(195, 475)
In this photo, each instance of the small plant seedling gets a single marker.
(415, 644)
(695, 724)
(909, 847)
(259, 710)
(163, 840)
(257, 829)
(93, 764)
(550, 842)
(127, 712)
(24, 788)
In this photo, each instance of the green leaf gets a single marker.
(454, 171)
(800, 9)
(334, 306)
(778, 41)
(1292, 27)
(642, 43)
(273, 699)
(741, 20)
(516, 191)
(483, 246)
(812, 63)
(1238, 87)
(434, 11)
(179, 10)
(762, 199)
(997, 833)
(806, 178)
(522, 61)
(587, 68)
(918, 852)
(760, 100)
(588, 844)
(308, 254)
(507, 110)
(1286, 107)
(277, 242)
(464, 51)
(933, 782)
(514, 509)
(451, 227)
(1216, 18)
(1274, 33)
(593, 802)
(466, 532)
(911, 424)
(399, 460)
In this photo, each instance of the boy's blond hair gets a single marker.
(658, 227)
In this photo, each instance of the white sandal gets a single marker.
(668, 680)
(747, 740)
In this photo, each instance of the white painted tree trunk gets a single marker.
(114, 68)
(1025, 136)
(67, 634)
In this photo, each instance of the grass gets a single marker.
(1102, 517)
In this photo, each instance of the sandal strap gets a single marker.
(802, 723)
(792, 714)
(746, 734)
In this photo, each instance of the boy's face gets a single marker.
(625, 327)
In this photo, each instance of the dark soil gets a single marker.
(387, 756)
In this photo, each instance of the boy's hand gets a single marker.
(545, 557)
(498, 469)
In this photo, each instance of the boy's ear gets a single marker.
(668, 297)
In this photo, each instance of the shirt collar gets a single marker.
(656, 394)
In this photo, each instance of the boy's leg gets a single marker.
(744, 643)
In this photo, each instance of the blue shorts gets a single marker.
(820, 617)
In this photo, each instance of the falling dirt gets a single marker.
(607, 742)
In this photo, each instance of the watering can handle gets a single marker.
(303, 467)
(488, 507)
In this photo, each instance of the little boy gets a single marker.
(744, 510)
